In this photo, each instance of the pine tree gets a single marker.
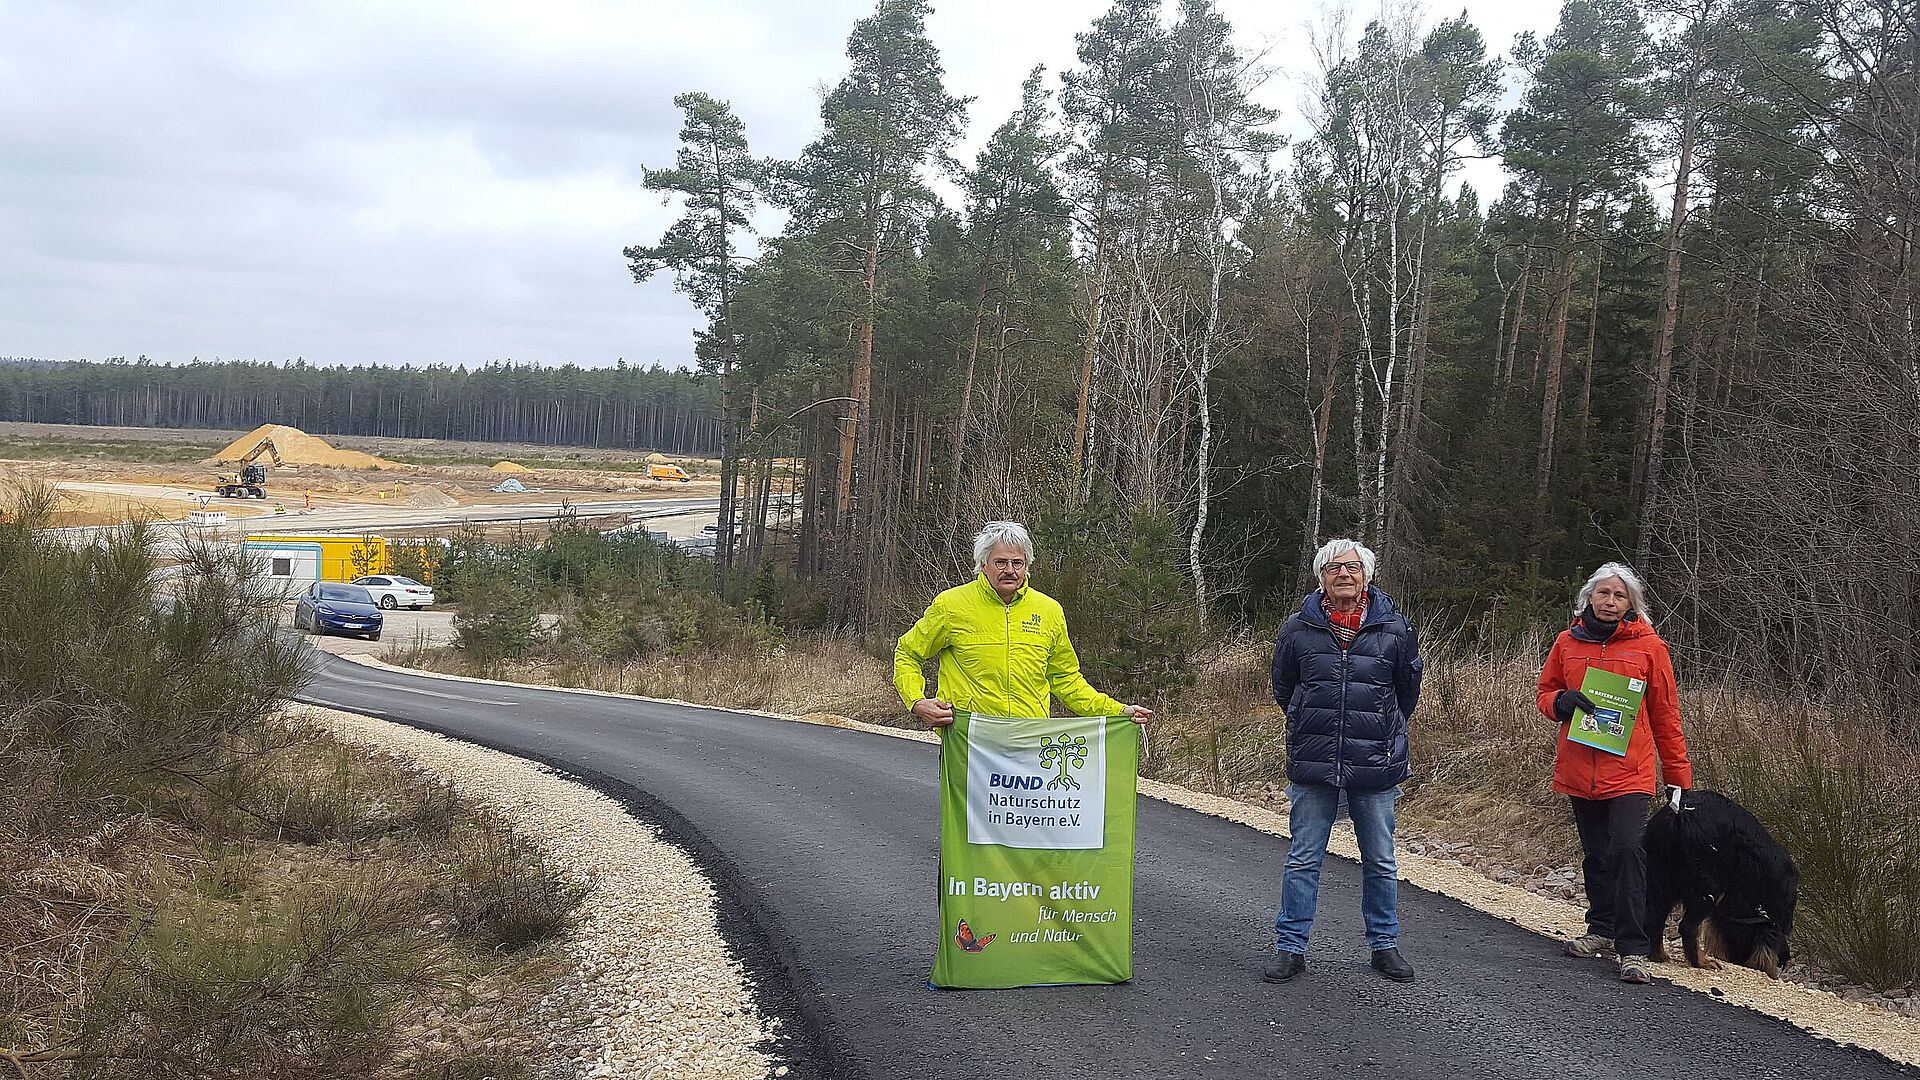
(721, 184)
(860, 194)
(1576, 136)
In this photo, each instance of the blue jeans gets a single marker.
(1311, 822)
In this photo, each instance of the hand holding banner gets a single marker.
(1036, 850)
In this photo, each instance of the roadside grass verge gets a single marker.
(1834, 789)
(829, 674)
(191, 886)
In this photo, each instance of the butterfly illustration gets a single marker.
(968, 942)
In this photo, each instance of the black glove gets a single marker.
(1566, 701)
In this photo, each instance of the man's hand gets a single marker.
(935, 712)
(1140, 713)
(1674, 794)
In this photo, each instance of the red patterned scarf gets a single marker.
(1345, 624)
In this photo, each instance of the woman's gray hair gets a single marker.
(1335, 548)
(996, 533)
(1636, 591)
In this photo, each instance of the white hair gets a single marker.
(1335, 548)
(997, 533)
(1636, 592)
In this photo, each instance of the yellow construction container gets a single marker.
(319, 558)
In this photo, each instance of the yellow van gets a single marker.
(667, 472)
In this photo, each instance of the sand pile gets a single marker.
(296, 447)
(657, 459)
(509, 466)
(432, 499)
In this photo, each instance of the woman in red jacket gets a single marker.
(1611, 792)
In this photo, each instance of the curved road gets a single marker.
(825, 839)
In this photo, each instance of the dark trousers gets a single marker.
(1611, 831)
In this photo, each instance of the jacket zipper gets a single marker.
(1340, 744)
(1006, 651)
(1593, 785)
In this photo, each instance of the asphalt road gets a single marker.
(825, 840)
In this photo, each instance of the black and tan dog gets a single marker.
(1737, 883)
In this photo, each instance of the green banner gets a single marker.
(1036, 851)
(1617, 699)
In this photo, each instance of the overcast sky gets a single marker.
(433, 182)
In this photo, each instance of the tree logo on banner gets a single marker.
(1068, 753)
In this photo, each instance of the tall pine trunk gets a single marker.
(1098, 282)
(1554, 372)
(1669, 320)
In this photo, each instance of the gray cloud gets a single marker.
(441, 182)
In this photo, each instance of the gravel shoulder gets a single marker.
(657, 993)
(1815, 1011)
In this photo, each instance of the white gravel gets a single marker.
(656, 994)
(1827, 1015)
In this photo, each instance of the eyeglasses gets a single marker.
(1352, 567)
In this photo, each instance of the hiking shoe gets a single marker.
(1285, 965)
(1588, 946)
(1389, 962)
(1633, 969)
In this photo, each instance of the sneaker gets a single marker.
(1285, 965)
(1588, 946)
(1633, 969)
(1389, 962)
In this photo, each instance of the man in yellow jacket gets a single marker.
(1002, 644)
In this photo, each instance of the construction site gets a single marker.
(109, 476)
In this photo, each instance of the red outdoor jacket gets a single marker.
(1636, 651)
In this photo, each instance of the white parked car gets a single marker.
(392, 591)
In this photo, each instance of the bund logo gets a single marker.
(1032, 623)
(1068, 753)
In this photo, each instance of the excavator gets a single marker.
(247, 483)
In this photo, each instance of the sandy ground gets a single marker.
(99, 490)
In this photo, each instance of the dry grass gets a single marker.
(815, 675)
(322, 911)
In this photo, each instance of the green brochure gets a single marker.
(1036, 851)
(1617, 703)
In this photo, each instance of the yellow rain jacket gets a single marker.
(996, 658)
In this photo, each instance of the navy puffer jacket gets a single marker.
(1347, 709)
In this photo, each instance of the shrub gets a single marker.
(1836, 794)
(108, 686)
(505, 891)
(499, 623)
(1130, 607)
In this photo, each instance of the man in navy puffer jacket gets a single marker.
(1346, 670)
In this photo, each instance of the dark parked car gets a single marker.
(338, 607)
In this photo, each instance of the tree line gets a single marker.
(643, 408)
(1682, 333)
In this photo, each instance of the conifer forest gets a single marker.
(1681, 334)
